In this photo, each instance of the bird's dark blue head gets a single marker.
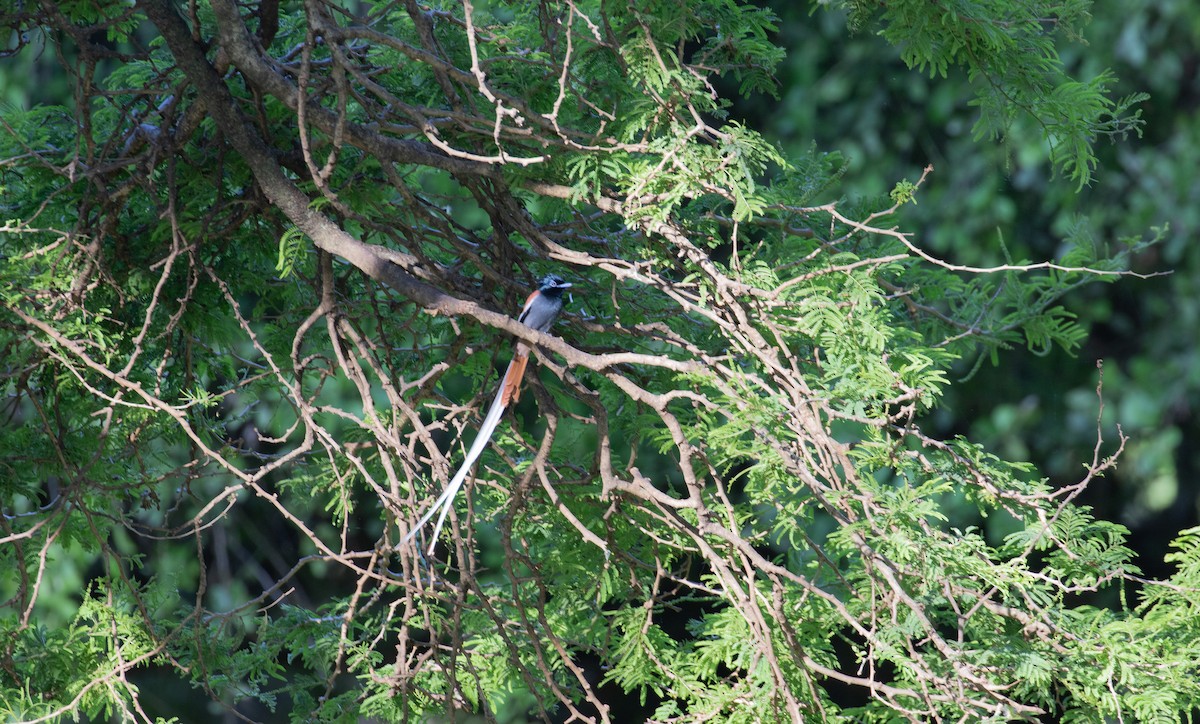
(553, 285)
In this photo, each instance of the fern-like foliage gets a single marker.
(718, 499)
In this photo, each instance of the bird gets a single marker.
(541, 309)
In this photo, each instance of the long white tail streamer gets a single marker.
(445, 501)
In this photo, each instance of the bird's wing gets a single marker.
(510, 387)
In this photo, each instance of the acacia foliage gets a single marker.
(256, 274)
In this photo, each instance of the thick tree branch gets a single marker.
(328, 236)
(237, 42)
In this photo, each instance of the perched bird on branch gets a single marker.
(540, 311)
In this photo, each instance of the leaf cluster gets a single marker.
(718, 497)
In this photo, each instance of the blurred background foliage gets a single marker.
(988, 203)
